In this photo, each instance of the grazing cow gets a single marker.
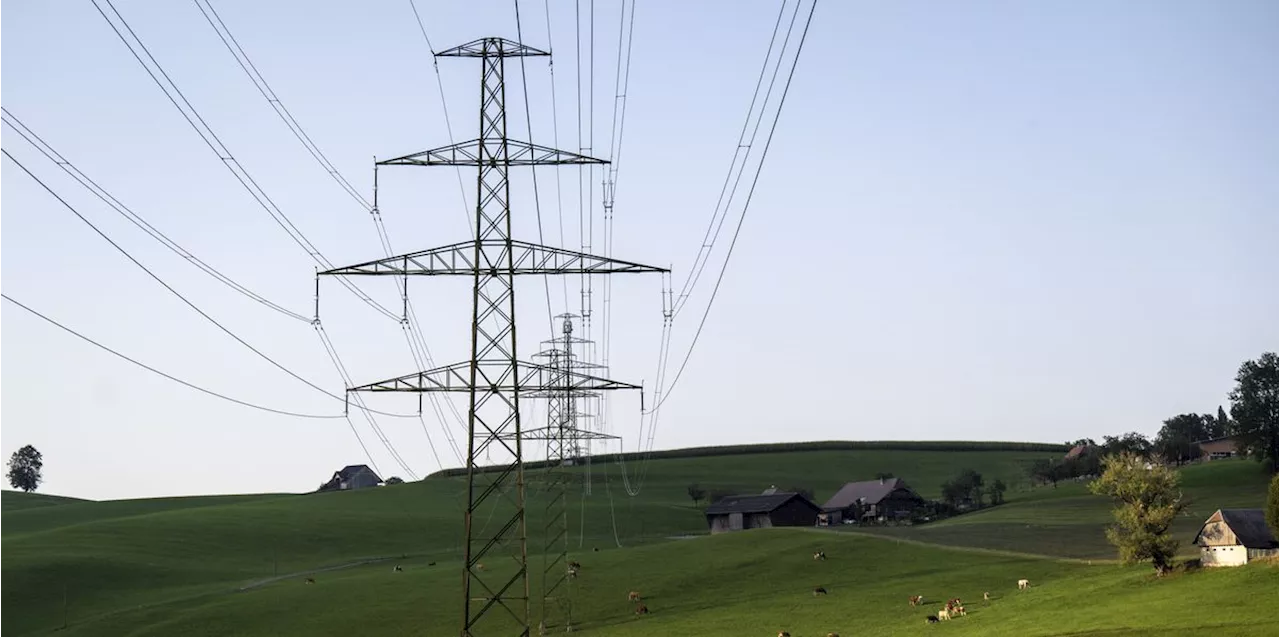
(986, 597)
(575, 565)
(783, 633)
(958, 610)
(572, 572)
(595, 549)
(480, 566)
(945, 613)
(915, 600)
(431, 563)
(397, 569)
(820, 556)
(953, 602)
(930, 619)
(1024, 584)
(642, 610)
(819, 591)
(833, 634)
(633, 596)
(310, 581)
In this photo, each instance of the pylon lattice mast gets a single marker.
(496, 593)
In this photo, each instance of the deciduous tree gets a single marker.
(1147, 502)
(1254, 409)
(25, 469)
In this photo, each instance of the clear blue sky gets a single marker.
(979, 220)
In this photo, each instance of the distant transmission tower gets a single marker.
(495, 592)
(564, 448)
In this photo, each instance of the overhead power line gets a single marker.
(173, 291)
(101, 193)
(444, 105)
(416, 340)
(245, 403)
(260, 83)
(211, 139)
(773, 127)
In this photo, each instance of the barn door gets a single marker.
(735, 521)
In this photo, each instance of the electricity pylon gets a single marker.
(564, 448)
(495, 595)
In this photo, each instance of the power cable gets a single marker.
(444, 105)
(751, 192)
(215, 144)
(101, 193)
(742, 150)
(260, 82)
(244, 403)
(537, 198)
(173, 291)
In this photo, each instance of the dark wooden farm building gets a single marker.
(739, 512)
(884, 499)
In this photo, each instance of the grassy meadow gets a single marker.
(177, 565)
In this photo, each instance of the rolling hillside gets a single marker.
(154, 562)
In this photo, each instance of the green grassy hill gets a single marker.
(170, 565)
(755, 583)
(17, 500)
(1068, 521)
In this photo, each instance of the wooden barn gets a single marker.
(883, 499)
(740, 512)
(1233, 537)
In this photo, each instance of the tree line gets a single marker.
(1252, 424)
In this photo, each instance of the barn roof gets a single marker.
(753, 503)
(1248, 525)
(870, 491)
(351, 470)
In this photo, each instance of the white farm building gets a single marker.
(1233, 537)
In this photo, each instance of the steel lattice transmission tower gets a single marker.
(564, 440)
(496, 591)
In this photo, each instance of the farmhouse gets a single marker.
(354, 476)
(1232, 537)
(738, 512)
(881, 499)
(1218, 448)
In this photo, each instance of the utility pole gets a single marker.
(495, 592)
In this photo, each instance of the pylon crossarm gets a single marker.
(479, 152)
(491, 47)
(556, 433)
(456, 378)
(459, 260)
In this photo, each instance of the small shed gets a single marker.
(354, 476)
(1232, 537)
(740, 512)
(887, 498)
